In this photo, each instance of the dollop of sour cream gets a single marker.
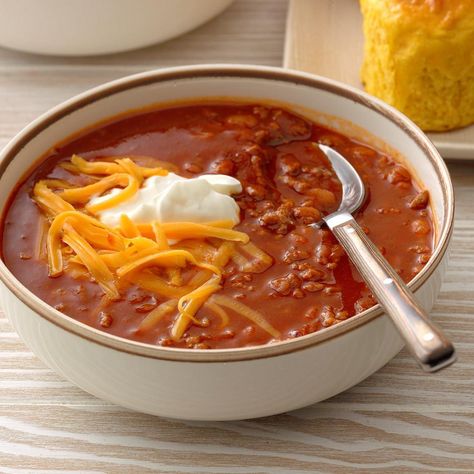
(172, 198)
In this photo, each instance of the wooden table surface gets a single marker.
(398, 420)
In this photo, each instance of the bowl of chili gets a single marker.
(225, 319)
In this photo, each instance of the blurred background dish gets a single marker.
(90, 27)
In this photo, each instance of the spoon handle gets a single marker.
(427, 343)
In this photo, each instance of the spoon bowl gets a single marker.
(353, 189)
(427, 343)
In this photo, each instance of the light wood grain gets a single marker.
(325, 37)
(398, 420)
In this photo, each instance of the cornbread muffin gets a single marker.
(419, 57)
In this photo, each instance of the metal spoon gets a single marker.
(427, 343)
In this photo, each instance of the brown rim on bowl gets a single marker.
(257, 72)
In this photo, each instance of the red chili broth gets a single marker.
(261, 146)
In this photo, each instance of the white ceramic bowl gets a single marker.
(233, 383)
(91, 27)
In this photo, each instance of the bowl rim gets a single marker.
(90, 96)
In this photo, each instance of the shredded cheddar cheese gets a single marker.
(193, 230)
(160, 236)
(155, 315)
(128, 228)
(187, 273)
(189, 304)
(221, 312)
(49, 200)
(79, 165)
